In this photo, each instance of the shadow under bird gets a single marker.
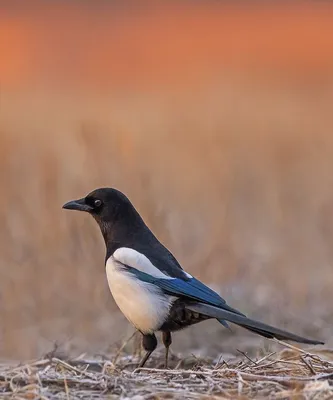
(147, 282)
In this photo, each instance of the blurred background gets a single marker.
(215, 119)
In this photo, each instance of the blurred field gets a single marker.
(234, 174)
(237, 182)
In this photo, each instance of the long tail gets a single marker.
(247, 323)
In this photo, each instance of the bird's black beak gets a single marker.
(79, 205)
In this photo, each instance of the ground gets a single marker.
(287, 372)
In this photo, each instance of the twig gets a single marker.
(308, 365)
(70, 367)
(122, 347)
(66, 388)
(246, 356)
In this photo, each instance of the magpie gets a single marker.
(147, 282)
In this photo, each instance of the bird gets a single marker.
(149, 285)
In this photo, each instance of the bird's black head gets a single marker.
(117, 218)
(106, 205)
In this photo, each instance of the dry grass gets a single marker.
(290, 373)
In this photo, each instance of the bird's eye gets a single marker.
(97, 202)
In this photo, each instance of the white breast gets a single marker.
(143, 304)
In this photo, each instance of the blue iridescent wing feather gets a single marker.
(191, 289)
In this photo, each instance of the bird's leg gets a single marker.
(149, 343)
(167, 340)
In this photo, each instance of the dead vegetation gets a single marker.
(237, 183)
(284, 374)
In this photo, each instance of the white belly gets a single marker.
(143, 304)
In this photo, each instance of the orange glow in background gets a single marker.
(104, 45)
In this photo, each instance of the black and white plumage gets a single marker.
(147, 282)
